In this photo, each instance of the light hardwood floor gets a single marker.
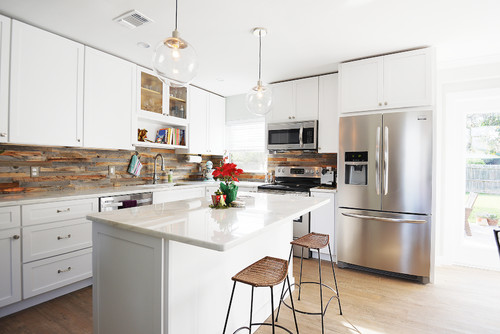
(462, 300)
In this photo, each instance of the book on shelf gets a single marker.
(171, 136)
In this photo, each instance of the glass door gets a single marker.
(151, 93)
(177, 102)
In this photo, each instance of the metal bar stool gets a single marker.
(266, 272)
(312, 241)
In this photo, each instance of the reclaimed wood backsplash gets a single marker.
(64, 168)
(79, 169)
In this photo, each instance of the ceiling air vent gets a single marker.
(132, 19)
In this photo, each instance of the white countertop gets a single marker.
(34, 198)
(193, 222)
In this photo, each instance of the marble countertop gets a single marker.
(41, 197)
(193, 222)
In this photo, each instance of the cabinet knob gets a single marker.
(78, 140)
(3, 134)
(385, 103)
(15, 236)
(380, 104)
(289, 117)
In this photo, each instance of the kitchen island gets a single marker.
(167, 268)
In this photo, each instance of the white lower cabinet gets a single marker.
(55, 272)
(323, 220)
(41, 241)
(10, 266)
(177, 194)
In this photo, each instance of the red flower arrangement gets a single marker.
(227, 173)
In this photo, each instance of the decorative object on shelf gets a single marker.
(259, 99)
(209, 170)
(135, 165)
(174, 60)
(228, 173)
(142, 135)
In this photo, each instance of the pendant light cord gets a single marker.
(176, 5)
(260, 55)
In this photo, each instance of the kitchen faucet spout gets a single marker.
(155, 175)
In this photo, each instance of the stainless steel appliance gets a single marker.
(292, 136)
(295, 181)
(118, 202)
(385, 193)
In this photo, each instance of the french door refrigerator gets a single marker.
(385, 193)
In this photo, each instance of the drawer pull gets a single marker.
(65, 237)
(64, 210)
(63, 270)
(15, 236)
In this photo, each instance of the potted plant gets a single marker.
(492, 219)
(228, 173)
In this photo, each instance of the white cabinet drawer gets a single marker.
(177, 195)
(46, 240)
(57, 211)
(10, 216)
(55, 272)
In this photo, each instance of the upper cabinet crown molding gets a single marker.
(399, 80)
(109, 101)
(4, 77)
(46, 88)
(295, 100)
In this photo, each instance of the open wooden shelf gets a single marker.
(157, 145)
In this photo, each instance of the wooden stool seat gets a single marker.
(268, 271)
(312, 240)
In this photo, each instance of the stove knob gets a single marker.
(317, 171)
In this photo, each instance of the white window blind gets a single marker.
(246, 136)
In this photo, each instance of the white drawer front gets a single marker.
(46, 240)
(177, 194)
(57, 211)
(49, 274)
(10, 216)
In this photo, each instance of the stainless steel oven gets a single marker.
(292, 136)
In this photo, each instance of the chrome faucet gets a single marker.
(155, 176)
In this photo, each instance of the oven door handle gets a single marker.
(385, 219)
(301, 132)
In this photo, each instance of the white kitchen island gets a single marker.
(167, 268)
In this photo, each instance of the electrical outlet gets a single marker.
(111, 170)
(35, 171)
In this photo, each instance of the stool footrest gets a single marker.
(311, 313)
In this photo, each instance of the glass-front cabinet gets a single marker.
(161, 113)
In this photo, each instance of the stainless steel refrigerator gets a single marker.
(385, 193)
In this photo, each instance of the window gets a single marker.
(246, 144)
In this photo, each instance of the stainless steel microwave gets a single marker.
(292, 136)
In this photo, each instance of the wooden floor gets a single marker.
(462, 300)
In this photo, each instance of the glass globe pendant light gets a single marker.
(174, 59)
(259, 99)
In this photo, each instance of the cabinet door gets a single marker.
(10, 264)
(408, 79)
(361, 84)
(328, 125)
(283, 102)
(216, 124)
(46, 91)
(4, 77)
(197, 132)
(306, 99)
(109, 91)
(323, 219)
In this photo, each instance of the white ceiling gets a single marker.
(304, 37)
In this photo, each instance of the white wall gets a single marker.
(236, 109)
(458, 86)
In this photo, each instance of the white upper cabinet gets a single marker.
(207, 121)
(4, 77)
(399, 80)
(110, 87)
(46, 88)
(328, 124)
(295, 100)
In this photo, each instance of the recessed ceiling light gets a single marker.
(143, 45)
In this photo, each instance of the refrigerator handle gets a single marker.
(301, 131)
(386, 160)
(384, 219)
(377, 161)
